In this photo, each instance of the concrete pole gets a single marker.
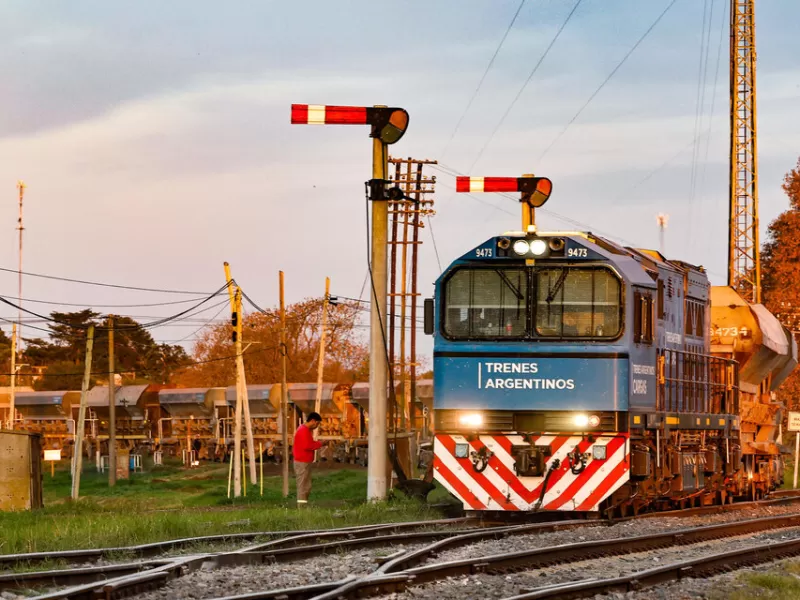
(78, 450)
(13, 391)
(378, 367)
(321, 361)
(284, 394)
(112, 409)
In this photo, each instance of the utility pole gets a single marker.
(388, 125)
(12, 394)
(77, 459)
(321, 362)
(112, 409)
(242, 400)
(251, 449)
(284, 394)
(406, 212)
(744, 262)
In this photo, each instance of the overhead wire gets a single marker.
(96, 283)
(92, 305)
(525, 84)
(606, 80)
(702, 76)
(482, 79)
(152, 324)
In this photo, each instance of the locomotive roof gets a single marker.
(640, 266)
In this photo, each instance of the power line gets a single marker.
(152, 324)
(702, 82)
(524, 85)
(607, 79)
(90, 305)
(483, 78)
(435, 247)
(110, 285)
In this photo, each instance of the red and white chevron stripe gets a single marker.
(499, 488)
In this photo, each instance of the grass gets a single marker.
(779, 583)
(170, 502)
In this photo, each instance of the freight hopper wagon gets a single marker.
(265, 405)
(192, 417)
(135, 414)
(50, 415)
(342, 429)
(573, 374)
(767, 354)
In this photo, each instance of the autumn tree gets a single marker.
(346, 357)
(780, 273)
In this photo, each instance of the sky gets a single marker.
(155, 141)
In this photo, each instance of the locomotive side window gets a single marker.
(577, 303)
(486, 303)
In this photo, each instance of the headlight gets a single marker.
(599, 452)
(521, 247)
(470, 420)
(581, 420)
(462, 450)
(538, 247)
(594, 421)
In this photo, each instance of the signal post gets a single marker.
(387, 127)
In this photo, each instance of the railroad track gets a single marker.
(394, 576)
(394, 572)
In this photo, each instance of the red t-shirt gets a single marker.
(304, 445)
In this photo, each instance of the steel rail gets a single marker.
(59, 577)
(540, 557)
(698, 567)
(155, 548)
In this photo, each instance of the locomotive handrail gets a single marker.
(696, 383)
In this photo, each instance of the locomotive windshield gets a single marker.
(562, 302)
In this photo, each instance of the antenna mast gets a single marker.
(21, 187)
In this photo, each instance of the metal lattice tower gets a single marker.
(744, 264)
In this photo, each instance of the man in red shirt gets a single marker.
(303, 453)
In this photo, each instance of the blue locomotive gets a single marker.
(574, 374)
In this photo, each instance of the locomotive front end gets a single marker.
(532, 375)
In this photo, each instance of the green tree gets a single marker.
(68, 334)
(63, 375)
(135, 350)
(780, 273)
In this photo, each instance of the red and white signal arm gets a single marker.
(487, 184)
(388, 123)
(321, 114)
